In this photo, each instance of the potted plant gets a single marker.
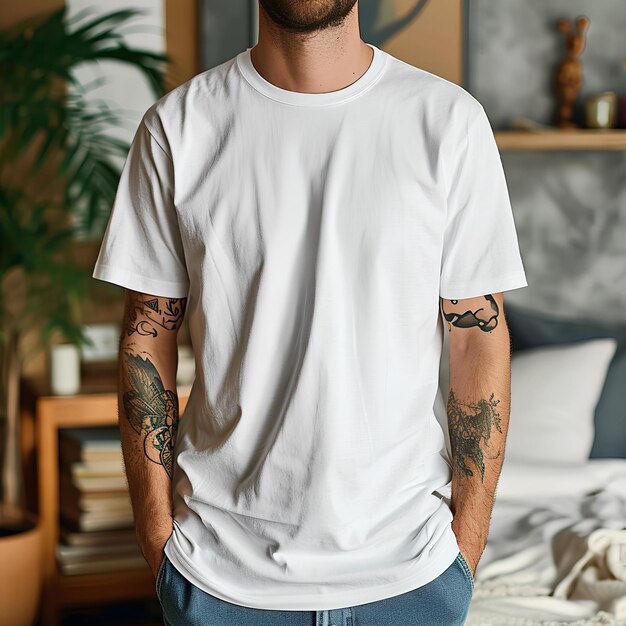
(57, 175)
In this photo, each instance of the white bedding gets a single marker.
(556, 552)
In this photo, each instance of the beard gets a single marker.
(307, 16)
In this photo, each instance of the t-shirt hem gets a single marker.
(142, 284)
(476, 288)
(296, 601)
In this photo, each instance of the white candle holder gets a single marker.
(64, 369)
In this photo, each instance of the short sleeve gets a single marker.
(142, 247)
(480, 250)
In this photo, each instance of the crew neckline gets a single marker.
(299, 98)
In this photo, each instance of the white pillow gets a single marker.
(529, 481)
(554, 392)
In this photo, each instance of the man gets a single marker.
(318, 209)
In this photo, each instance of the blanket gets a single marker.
(556, 560)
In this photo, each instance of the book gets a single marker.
(98, 538)
(89, 445)
(96, 469)
(80, 554)
(93, 566)
(73, 509)
(72, 498)
(93, 522)
(70, 492)
(87, 484)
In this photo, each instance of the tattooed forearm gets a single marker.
(470, 425)
(151, 410)
(484, 317)
(146, 315)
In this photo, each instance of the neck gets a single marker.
(320, 62)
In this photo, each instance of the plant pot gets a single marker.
(20, 571)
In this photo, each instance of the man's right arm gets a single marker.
(148, 413)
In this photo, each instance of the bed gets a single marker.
(556, 552)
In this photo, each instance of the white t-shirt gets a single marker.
(313, 235)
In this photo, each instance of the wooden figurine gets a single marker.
(569, 75)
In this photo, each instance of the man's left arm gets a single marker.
(478, 412)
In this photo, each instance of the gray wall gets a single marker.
(570, 207)
(570, 212)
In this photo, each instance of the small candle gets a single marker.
(601, 109)
(64, 369)
(186, 366)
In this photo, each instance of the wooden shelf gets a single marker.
(119, 586)
(557, 139)
(92, 408)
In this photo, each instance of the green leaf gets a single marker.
(70, 134)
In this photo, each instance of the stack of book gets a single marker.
(97, 532)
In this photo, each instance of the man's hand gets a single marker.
(471, 560)
(153, 550)
(478, 411)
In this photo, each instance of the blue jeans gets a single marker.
(442, 602)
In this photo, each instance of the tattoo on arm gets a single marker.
(151, 410)
(485, 317)
(470, 425)
(148, 315)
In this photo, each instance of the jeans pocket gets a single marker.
(466, 569)
(160, 576)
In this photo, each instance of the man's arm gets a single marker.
(478, 413)
(148, 413)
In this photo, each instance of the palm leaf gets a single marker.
(41, 118)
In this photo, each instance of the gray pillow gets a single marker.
(532, 330)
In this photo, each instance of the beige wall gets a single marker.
(13, 12)
(433, 41)
(182, 39)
